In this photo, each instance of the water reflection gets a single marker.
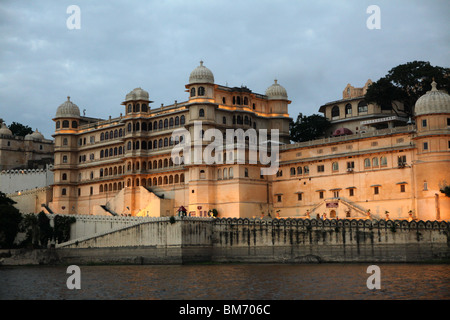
(229, 282)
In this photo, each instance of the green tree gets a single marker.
(10, 218)
(308, 127)
(19, 129)
(406, 83)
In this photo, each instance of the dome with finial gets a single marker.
(276, 92)
(434, 101)
(4, 130)
(35, 135)
(68, 109)
(137, 94)
(201, 74)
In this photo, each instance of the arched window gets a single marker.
(102, 154)
(129, 127)
(182, 120)
(170, 179)
(177, 121)
(149, 126)
(120, 150)
(166, 163)
(299, 170)
(160, 124)
(155, 182)
(160, 143)
(63, 192)
(120, 132)
(64, 176)
(128, 183)
(58, 124)
(106, 135)
(246, 172)
(201, 113)
(74, 124)
(155, 144)
(155, 164)
(367, 163)
(101, 188)
(238, 100)
(225, 173)
(201, 91)
(129, 145)
(115, 151)
(130, 108)
(348, 110)
(171, 122)
(137, 145)
(375, 162)
(166, 142)
(64, 159)
(155, 125)
(65, 142)
(335, 112)
(144, 126)
(176, 178)
(165, 180)
(383, 161)
(138, 107)
(166, 123)
(65, 124)
(137, 126)
(144, 145)
(362, 106)
(160, 164)
(182, 178)
(144, 107)
(230, 173)
(192, 92)
(160, 180)
(335, 166)
(234, 100)
(245, 101)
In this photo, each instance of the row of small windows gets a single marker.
(154, 144)
(137, 107)
(66, 124)
(162, 180)
(161, 124)
(362, 108)
(336, 193)
(374, 162)
(155, 164)
(200, 91)
(111, 135)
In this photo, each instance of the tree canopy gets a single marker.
(19, 129)
(307, 128)
(406, 83)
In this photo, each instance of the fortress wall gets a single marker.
(265, 241)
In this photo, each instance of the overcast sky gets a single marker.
(314, 48)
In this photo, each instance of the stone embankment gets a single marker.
(189, 240)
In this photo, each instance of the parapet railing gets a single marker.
(348, 223)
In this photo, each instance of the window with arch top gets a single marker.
(192, 92)
(335, 112)
(201, 91)
(201, 113)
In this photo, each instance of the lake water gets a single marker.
(227, 282)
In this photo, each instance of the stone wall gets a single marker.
(149, 240)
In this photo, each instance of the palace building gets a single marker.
(123, 165)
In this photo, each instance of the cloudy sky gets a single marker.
(314, 48)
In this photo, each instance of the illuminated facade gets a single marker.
(123, 165)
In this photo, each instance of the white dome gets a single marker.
(276, 92)
(434, 101)
(35, 135)
(137, 94)
(201, 74)
(4, 130)
(68, 109)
